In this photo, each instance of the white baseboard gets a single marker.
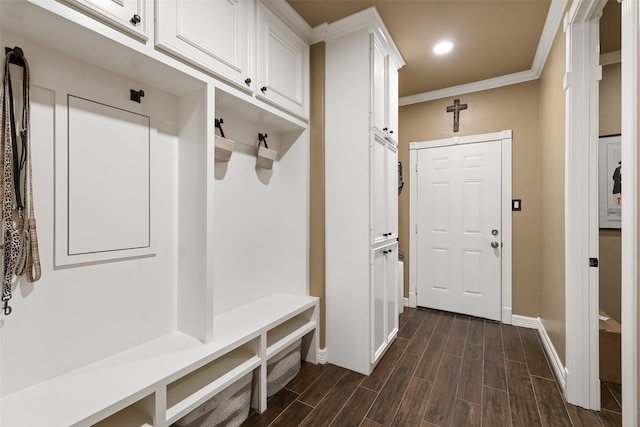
(322, 356)
(405, 302)
(524, 321)
(554, 359)
(413, 300)
(549, 349)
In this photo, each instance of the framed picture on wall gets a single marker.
(610, 181)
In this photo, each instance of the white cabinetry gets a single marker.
(283, 64)
(217, 36)
(361, 256)
(384, 299)
(126, 15)
(384, 97)
(261, 55)
(384, 190)
(143, 341)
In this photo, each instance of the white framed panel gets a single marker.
(103, 183)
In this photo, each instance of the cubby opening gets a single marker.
(138, 414)
(290, 330)
(191, 390)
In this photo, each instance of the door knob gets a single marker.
(495, 245)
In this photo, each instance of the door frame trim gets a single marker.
(581, 82)
(506, 138)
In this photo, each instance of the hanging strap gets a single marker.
(19, 240)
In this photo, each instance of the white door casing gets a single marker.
(477, 252)
(583, 73)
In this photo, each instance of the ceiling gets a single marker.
(492, 38)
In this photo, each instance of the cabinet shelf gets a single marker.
(287, 332)
(139, 414)
(193, 389)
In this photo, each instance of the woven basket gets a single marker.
(224, 148)
(265, 158)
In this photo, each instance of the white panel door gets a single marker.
(392, 103)
(378, 296)
(215, 35)
(392, 191)
(378, 190)
(384, 190)
(127, 15)
(391, 290)
(379, 77)
(459, 229)
(283, 65)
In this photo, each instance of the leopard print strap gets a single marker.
(19, 237)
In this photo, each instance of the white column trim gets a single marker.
(581, 229)
(630, 19)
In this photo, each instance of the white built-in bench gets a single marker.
(157, 383)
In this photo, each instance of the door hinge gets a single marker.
(593, 262)
(416, 228)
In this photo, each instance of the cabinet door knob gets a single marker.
(247, 81)
(135, 19)
(263, 89)
(390, 131)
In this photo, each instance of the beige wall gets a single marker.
(552, 137)
(513, 107)
(610, 240)
(316, 217)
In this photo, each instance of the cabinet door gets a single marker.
(378, 91)
(391, 186)
(213, 35)
(392, 102)
(384, 190)
(391, 292)
(126, 15)
(378, 297)
(379, 179)
(283, 65)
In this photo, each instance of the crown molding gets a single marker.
(493, 83)
(551, 25)
(289, 15)
(365, 19)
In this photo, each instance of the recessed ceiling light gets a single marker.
(442, 47)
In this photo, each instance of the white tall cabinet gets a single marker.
(361, 185)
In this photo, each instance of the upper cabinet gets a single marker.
(125, 15)
(384, 93)
(261, 55)
(282, 63)
(217, 36)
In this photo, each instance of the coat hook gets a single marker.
(18, 56)
(136, 95)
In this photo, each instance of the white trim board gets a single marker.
(323, 356)
(507, 251)
(583, 72)
(630, 22)
(547, 344)
(554, 18)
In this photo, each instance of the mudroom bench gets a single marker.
(156, 383)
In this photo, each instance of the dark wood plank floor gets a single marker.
(442, 370)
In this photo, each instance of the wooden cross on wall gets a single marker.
(455, 109)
